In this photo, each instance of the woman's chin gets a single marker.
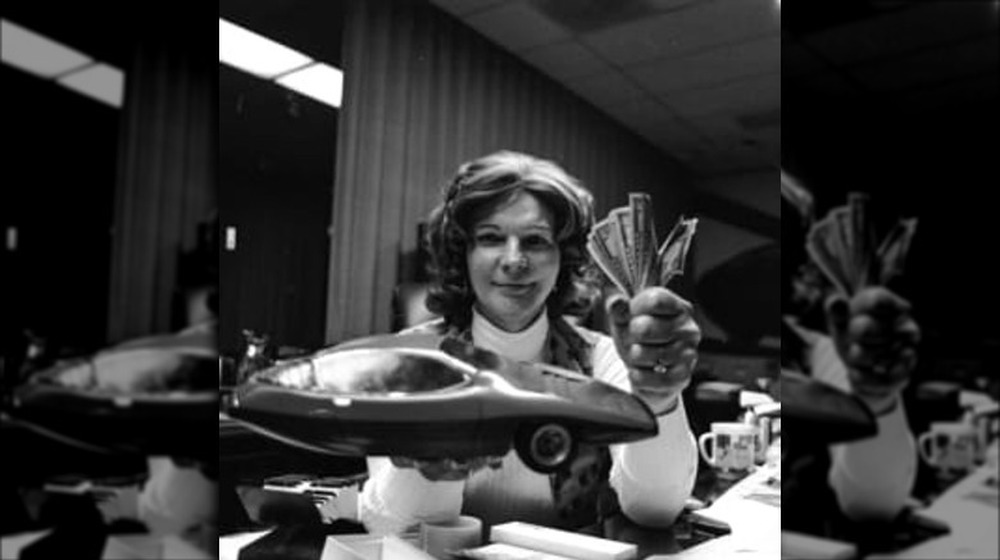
(511, 315)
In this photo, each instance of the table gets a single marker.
(751, 507)
(970, 507)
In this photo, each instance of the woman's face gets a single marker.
(513, 261)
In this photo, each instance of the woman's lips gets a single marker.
(514, 289)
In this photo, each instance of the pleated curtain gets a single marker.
(166, 180)
(424, 93)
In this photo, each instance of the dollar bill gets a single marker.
(673, 253)
(824, 246)
(894, 249)
(841, 243)
(644, 233)
(863, 251)
(624, 246)
(604, 247)
(845, 247)
(622, 220)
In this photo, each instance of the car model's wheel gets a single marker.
(545, 447)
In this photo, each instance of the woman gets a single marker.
(508, 258)
(866, 346)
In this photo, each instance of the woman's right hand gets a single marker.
(876, 337)
(439, 470)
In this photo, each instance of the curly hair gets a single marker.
(483, 184)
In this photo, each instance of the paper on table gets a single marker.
(133, 547)
(727, 546)
(752, 508)
(230, 545)
(11, 545)
(371, 547)
(176, 547)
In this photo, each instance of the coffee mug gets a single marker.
(733, 447)
(986, 431)
(439, 539)
(762, 441)
(949, 446)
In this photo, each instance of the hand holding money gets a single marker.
(876, 338)
(657, 338)
(871, 326)
(653, 328)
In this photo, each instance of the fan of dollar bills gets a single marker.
(845, 248)
(624, 247)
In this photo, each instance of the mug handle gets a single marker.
(926, 453)
(702, 440)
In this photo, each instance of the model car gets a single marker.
(156, 396)
(425, 396)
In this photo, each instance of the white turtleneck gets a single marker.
(524, 346)
(653, 477)
(872, 478)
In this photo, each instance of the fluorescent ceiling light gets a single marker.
(100, 81)
(322, 82)
(37, 54)
(255, 54)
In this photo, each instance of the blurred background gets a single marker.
(111, 167)
(899, 99)
(109, 217)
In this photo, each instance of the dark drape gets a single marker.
(166, 179)
(423, 93)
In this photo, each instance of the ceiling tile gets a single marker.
(756, 190)
(697, 26)
(713, 67)
(517, 27)
(798, 61)
(642, 110)
(978, 56)
(720, 128)
(978, 89)
(565, 61)
(464, 7)
(606, 89)
(924, 24)
(831, 84)
(717, 164)
(685, 148)
(769, 141)
(758, 93)
(675, 134)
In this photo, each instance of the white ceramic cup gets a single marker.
(733, 447)
(763, 440)
(949, 446)
(438, 539)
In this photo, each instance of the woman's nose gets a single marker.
(513, 259)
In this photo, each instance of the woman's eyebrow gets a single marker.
(540, 226)
(544, 226)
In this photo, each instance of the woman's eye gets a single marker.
(537, 242)
(488, 239)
